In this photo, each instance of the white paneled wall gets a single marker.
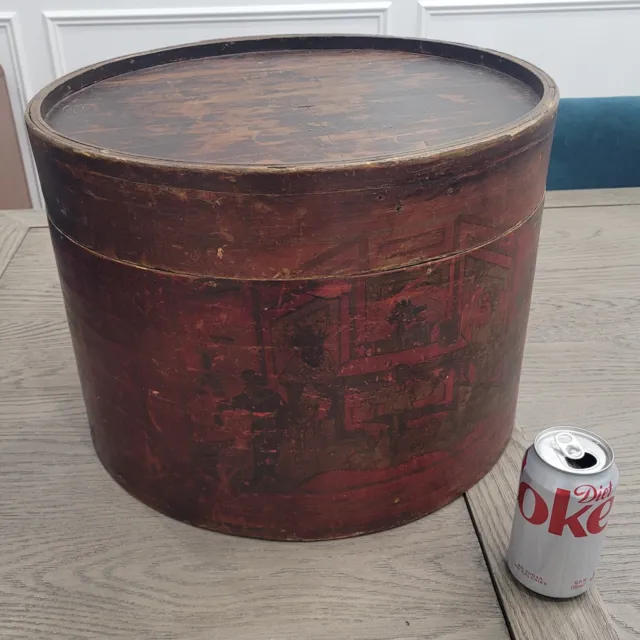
(78, 38)
(590, 47)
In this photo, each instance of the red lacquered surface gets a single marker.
(323, 337)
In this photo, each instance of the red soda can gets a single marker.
(566, 492)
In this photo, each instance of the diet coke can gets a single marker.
(566, 493)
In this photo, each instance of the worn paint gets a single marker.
(299, 351)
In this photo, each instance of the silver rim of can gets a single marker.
(601, 446)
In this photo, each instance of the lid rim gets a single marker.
(543, 113)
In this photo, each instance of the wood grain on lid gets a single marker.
(293, 107)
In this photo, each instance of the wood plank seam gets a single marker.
(31, 218)
(12, 234)
(485, 555)
(592, 198)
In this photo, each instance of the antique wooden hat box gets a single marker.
(297, 271)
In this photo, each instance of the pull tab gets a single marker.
(569, 446)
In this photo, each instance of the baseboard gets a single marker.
(596, 144)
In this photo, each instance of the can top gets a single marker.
(573, 450)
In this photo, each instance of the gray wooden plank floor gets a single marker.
(79, 558)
